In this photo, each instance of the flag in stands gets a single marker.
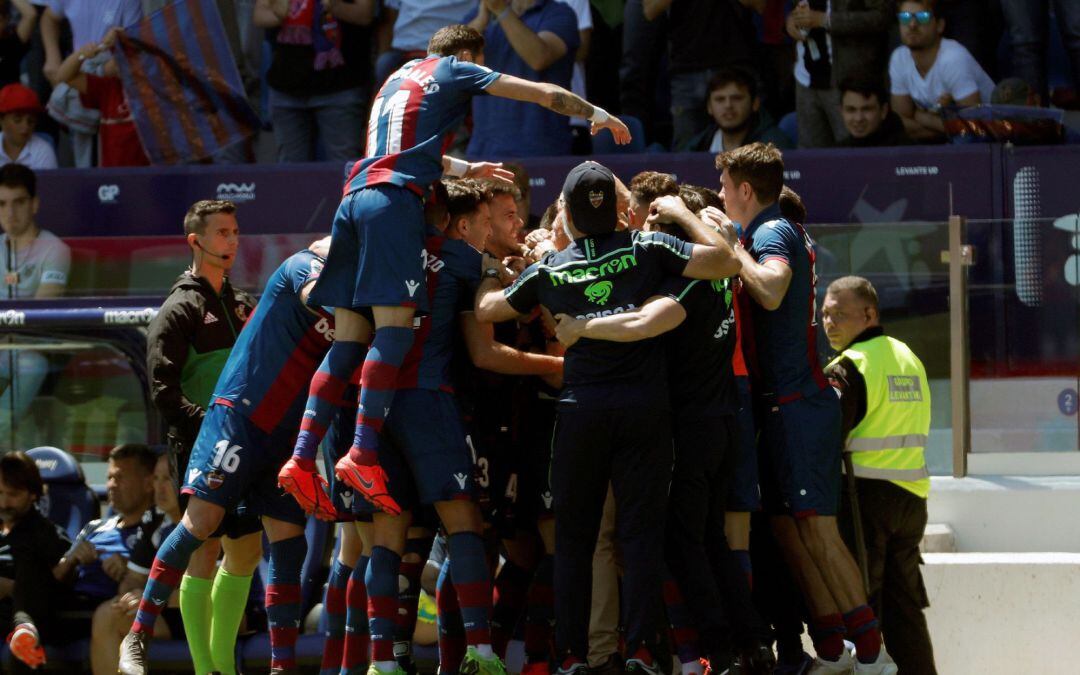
(182, 83)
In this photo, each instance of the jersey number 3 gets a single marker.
(391, 113)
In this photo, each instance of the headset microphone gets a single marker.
(210, 253)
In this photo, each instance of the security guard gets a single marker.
(886, 411)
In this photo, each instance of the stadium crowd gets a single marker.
(806, 74)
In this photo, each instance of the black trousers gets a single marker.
(631, 449)
(714, 586)
(893, 521)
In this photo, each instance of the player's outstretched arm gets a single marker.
(459, 168)
(488, 354)
(658, 315)
(555, 98)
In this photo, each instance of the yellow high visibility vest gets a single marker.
(888, 443)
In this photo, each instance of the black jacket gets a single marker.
(889, 134)
(188, 343)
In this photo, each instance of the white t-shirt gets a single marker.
(955, 72)
(46, 261)
(577, 81)
(38, 154)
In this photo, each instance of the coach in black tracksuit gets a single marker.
(614, 420)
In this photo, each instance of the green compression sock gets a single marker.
(230, 597)
(195, 608)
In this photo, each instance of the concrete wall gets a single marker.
(1009, 513)
(1004, 613)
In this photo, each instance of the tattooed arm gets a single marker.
(555, 98)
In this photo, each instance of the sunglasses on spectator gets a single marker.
(907, 18)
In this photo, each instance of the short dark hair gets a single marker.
(649, 185)
(450, 40)
(435, 207)
(733, 75)
(464, 197)
(860, 287)
(550, 214)
(865, 88)
(141, 453)
(691, 198)
(521, 178)
(196, 217)
(929, 4)
(708, 195)
(759, 164)
(18, 470)
(18, 175)
(497, 187)
(791, 206)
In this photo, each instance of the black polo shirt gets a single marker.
(599, 276)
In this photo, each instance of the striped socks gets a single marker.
(472, 582)
(355, 659)
(169, 565)
(283, 599)
(378, 382)
(334, 609)
(325, 395)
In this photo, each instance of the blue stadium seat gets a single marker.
(789, 124)
(68, 501)
(604, 144)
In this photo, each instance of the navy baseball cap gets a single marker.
(589, 193)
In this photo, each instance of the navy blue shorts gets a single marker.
(744, 493)
(376, 252)
(799, 447)
(234, 461)
(422, 448)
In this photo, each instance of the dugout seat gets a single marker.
(68, 501)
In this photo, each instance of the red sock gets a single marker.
(827, 632)
(862, 629)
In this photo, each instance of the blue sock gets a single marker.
(378, 382)
(355, 659)
(165, 574)
(334, 611)
(325, 394)
(472, 581)
(283, 599)
(382, 591)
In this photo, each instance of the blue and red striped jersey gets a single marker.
(453, 273)
(780, 346)
(276, 354)
(411, 120)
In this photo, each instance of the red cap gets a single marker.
(19, 98)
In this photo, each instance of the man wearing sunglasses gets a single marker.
(929, 72)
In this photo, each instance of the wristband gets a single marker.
(599, 115)
(457, 168)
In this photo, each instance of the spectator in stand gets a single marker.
(14, 38)
(643, 45)
(582, 144)
(1027, 22)
(867, 117)
(531, 39)
(19, 110)
(695, 30)
(118, 141)
(34, 264)
(316, 95)
(95, 568)
(113, 619)
(30, 547)
(929, 72)
(90, 21)
(405, 27)
(837, 40)
(737, 116)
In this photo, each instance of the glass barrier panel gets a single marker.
(81, 394)
(904, 262)
(1024, 305)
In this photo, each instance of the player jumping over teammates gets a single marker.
(412, 116)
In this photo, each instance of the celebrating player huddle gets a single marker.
(422, 347)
